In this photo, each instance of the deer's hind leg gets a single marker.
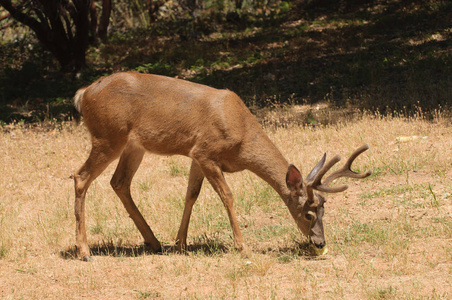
(102, 154)
(128, 164)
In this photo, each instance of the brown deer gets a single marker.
(130, 113)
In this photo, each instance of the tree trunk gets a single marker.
(104, 20)
(52, 21)
(93, 23)
(238, 4)
(154, 6)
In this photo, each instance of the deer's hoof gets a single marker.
(318, 251)
(180, 249)
(155, 248)
(246, 253)
(87, 258)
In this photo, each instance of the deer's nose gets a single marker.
(320, 245)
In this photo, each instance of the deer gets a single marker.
(129, 113)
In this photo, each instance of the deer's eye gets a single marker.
(310, 216)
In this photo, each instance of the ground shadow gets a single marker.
(112, 250)
(296, 251)
(208, 248)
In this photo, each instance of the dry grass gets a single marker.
(390, 236)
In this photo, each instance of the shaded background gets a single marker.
(387, 56)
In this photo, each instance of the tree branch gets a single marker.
(5, 16)
(23, 18)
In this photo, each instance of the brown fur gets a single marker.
(130, 113)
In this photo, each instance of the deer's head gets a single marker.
(307, 200)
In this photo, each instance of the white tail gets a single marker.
(129, 113)
(78, 99)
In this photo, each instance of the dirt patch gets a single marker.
(389, 236)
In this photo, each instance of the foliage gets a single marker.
(388, 56)
(62, 27)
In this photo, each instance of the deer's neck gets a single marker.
(267, 162)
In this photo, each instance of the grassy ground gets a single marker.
(390, 236)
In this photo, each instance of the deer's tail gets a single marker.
(78, 98)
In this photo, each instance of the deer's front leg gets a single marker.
(215, 176)
(194, 187)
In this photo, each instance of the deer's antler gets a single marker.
(345, 171)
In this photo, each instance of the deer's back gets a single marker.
(166, 115)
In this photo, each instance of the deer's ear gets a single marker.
(294, 179)
(316, 169)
